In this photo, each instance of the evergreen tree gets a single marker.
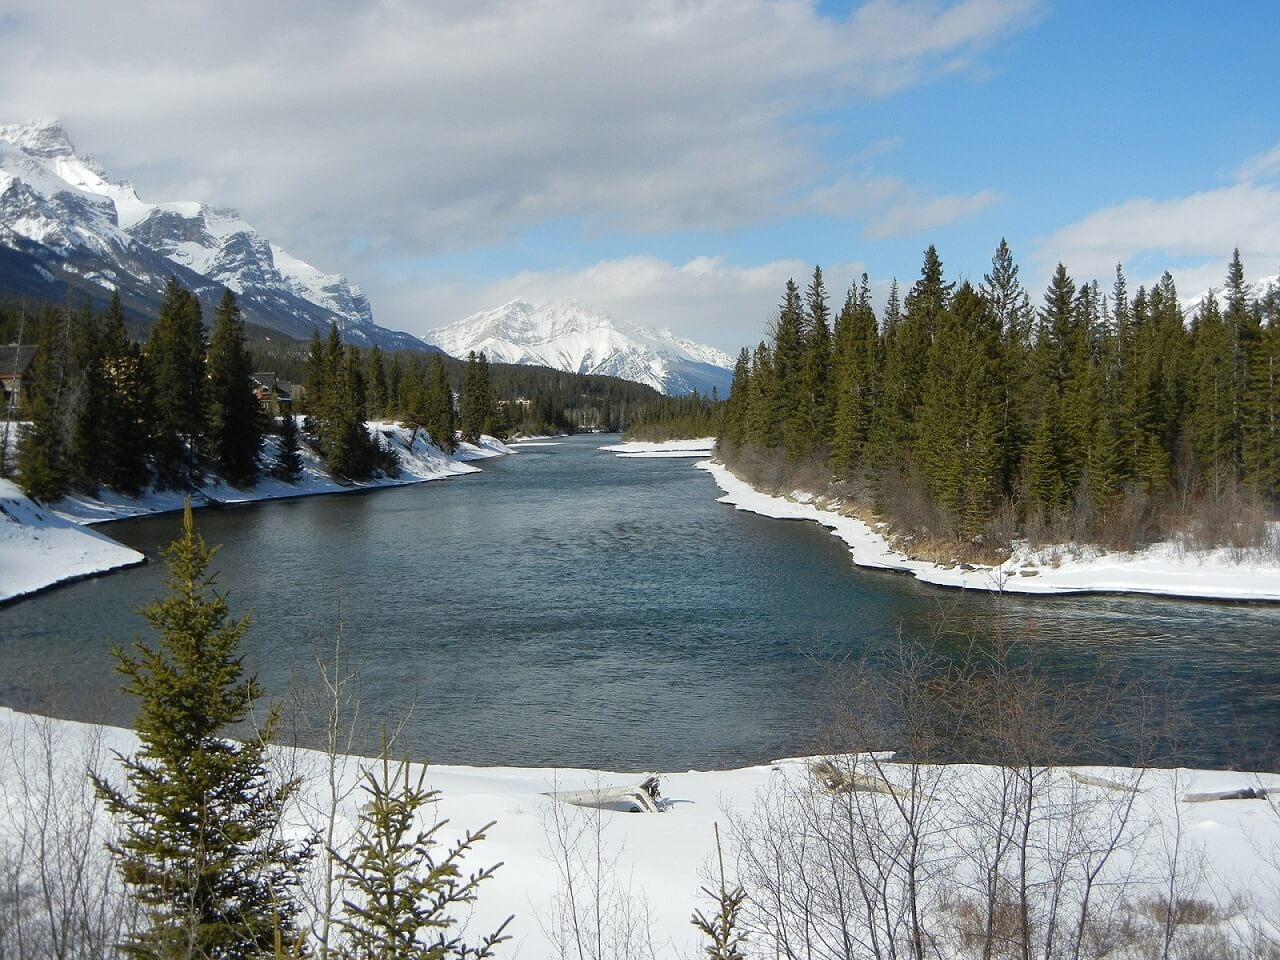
(43, 463)
(403, 894)
(127, 409)
(1211, 417)
(477, 405)
(440, 420)
(235, 418)
(88, 405)
(200, 843)
(1260, 441)
(811, 425)
(175, 363)
(788, 372)
(764, 421)
(734, 416)
(375, 379)
(288, 462)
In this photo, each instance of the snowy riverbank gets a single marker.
(1162, 569)
(41, 547)
(656, 861)
(701, 447)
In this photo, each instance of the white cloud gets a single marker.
(1194, 233)
(705, 298)
(1263, 166)
(912, 215)
(426, 127)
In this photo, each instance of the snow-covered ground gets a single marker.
(1162, 568)
(40, 547)
(701, 447)
(656, 863)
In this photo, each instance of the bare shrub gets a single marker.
(61, 896)
(594, 914)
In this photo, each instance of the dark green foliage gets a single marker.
(335, 392)
(375, 378)
(235, 423)
(43, 460)
(288, 461)
(439, 419)
(175, 364)
(402, 893)
(966, 406)
(200, 842)
(477, 406)
(123, 430)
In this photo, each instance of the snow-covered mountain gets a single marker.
(68, 224)
(568, 336)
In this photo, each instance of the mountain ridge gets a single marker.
(74, 227)
(566, 335)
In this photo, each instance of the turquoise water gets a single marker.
(565, 607)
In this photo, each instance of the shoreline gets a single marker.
(1159, 570)
(660, 856)
(66, 545)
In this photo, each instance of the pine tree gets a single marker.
(402, 893)
(811, 427)
(1211, 415)
(476, 404)
(1260, 441)
(375, 378)
(723, 930)
(288, 462)
(788, 372)
(764, 421)
(200, 843)
(734, 415)
(175, 356)
(42, 457)
(235, 418)
(88, 404)
(124, 430)
(440, 419)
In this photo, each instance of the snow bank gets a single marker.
(660, 857)
(38, 548)
(702, 447)
(1162, 569)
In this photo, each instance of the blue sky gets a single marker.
(673, 163)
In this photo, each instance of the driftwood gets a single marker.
(1089, 780)
(838, 780)
(644, 797)
(1244, 793)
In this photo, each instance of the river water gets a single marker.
(568, 608)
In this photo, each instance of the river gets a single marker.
(568, 608)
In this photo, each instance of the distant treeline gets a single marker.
(100, 409)
(964, 412)
(534, 400)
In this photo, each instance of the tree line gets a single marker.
(961, 407)
(107, 411)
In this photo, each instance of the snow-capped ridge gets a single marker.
(101, 230)
(567, 335)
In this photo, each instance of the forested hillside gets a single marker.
(966, 413)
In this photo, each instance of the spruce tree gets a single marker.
(375, 379)
(734, 414)
(127, 415)
(88, 404)
(175, 363)
(288, 462)
(44, 470)
(235, 418)
(403, 891)
(788, 373)
(441, 420)
(476, 405)
(200, 842)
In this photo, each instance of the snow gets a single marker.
(566, 335)
(1162, 569)
(662, 857)
(40, 547)
(664, 449)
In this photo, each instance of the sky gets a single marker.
(674, 162)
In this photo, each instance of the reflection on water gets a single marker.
(565, 607)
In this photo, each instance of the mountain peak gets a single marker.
(40, 138)
(567, 335)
